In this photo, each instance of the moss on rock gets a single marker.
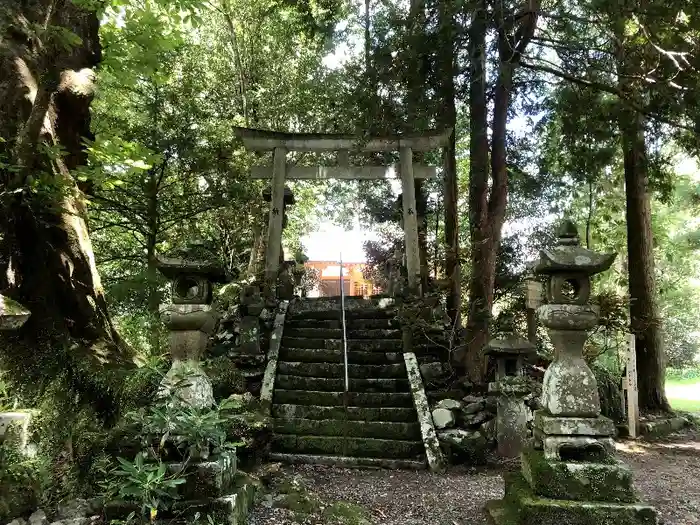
(577, 480)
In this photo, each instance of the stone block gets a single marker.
(464, 444)
(577, 426)
(448, 404)
(443, 418)
(16, 423)
(522, 507)
(249, 335)
(579, 448)
(511, 426)
(207, 479)
(573, 480)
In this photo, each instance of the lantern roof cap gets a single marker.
(508, 342)
(569, 256)
(196, 259)
(289, 198)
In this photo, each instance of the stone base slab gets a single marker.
(206, 479)
(611, 482)
(522, 507)
(573, 426)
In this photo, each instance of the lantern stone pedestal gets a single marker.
(510, 387)
(569, 474)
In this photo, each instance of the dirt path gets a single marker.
(667, 475)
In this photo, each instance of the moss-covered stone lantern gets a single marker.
(191, 321)
(569, 473)
(510, 352)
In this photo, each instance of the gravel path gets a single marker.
(667, 475)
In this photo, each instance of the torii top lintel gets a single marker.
(265, 140)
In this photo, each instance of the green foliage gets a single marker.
(149, 484)
(23, 480)
(690, 374)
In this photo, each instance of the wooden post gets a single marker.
(632, 389)
(274, 231)
(410, 219)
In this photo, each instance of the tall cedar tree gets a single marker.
(487, 201)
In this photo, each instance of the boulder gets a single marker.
(18, 521)
(477, 419)
(449, 404)
(72, 509)
(443, 418)
(473, 408)
(488, 429)
(38, 518)
(492, 404)
(463, 445)
(472, 399)
(431, 371)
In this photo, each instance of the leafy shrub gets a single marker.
(148, 484)
(683, 374)
(22, 481)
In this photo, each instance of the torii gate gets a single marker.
(281, 143)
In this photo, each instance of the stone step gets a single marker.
(348, 461)
(290, 382)
(355, 413)
(335, 399)
(337, 370)
(350, 313)
(361, 345)
(342, 446)
(355, 429)
(323, 355)
(336, 324)
(337, 333)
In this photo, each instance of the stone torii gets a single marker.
(280, 143)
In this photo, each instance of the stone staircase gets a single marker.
(379, 427)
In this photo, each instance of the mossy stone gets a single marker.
(571, 480)
(531, 508)
(347, 513)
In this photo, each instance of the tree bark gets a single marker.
(449, 115)
(644, 319)
(645, 322)
(45, 94)
(487, 205)
(482, 269)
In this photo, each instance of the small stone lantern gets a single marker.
(510, 352)
(569, 473)
(191, 321)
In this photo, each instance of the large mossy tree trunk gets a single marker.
(47, 54)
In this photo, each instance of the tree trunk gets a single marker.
(45, 94)
(645, 322)
(449, 115)
(487, 206)
(644, 318)
(481, 268)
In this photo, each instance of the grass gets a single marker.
(684, 394)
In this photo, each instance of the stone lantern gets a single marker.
(510, 386)
(191, 321)
(569, 473)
